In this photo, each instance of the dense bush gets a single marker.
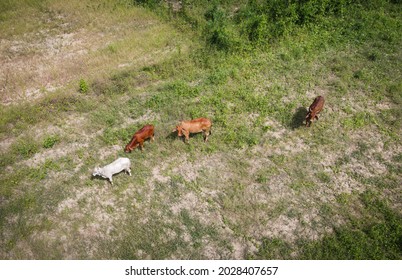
(268, 20)
(219, 31)
(243, 24)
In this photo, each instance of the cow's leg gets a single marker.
(128, 171)
(111, 181)
(316, 117)
(308, 118)
(186, 136)
(142, 146)
(206, 133)
(152, 137)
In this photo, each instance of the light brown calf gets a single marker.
(139, 137)
(194, 126)
(314, 109)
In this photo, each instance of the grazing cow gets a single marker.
(117, 166)
(139, 137)
(314, 109)
(194, 126)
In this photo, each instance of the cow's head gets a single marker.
(179, 130)
(97, 171)
(129, 148)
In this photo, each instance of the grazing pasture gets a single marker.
(78, 78)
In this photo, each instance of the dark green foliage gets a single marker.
(258, 29)
(218, 31)
(253, 22)
(232, 26)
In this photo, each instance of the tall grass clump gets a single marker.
(83, 86)
(50, 141)
(219, 30)
(25, 147)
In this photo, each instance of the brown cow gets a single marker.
(139, 137)
(194, 126)
(314, 109)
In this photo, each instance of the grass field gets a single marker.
(78, 79)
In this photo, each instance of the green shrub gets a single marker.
(83, 86)
(230, 26)
(258, 30)
(219, 32)
(50, 141)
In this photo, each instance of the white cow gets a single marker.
(109, 170)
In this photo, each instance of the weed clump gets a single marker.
(83, 86)
(50, 141)
(25, 147)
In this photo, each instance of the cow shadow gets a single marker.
(98, 178)
(172, 136)
(298, 118)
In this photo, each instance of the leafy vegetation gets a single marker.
(50, 141)
(83, 86)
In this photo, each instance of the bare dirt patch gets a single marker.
(61, 52)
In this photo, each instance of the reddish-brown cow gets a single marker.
(194, 126)
(139, 137)
(314, 109)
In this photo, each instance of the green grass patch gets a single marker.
(50, 141)
(25, 147)
(365, 240)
